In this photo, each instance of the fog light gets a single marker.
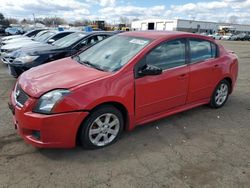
(36, 134)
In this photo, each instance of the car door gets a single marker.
(204, 69)
(159, 93)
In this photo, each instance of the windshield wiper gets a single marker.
(77, 58)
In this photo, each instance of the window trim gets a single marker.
(217, 51)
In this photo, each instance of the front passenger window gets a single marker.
(168, 55)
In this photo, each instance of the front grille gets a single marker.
(3, 50)
(20, 96)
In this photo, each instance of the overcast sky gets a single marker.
(111, 10)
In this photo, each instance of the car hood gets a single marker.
(13, 37)
(33, 49)
(40, 48)
(17, 40)
(18, 45)
(61, 74)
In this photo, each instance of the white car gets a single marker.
(215, 36)
(229, 37)
(29, 34)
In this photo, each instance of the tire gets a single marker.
(106, 124)
(220, 94)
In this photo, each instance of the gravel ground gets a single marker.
(198, 148)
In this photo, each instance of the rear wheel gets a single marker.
(102, 128)
(220, 95)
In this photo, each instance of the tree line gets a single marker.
(47, 21)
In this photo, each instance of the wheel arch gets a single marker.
(121, 107)
(230, 81)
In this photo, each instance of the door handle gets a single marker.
(182, 77)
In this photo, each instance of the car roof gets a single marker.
(161, 34)
(99, 32)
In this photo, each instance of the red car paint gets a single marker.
(145, 99)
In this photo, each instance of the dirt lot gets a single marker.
(198, 148)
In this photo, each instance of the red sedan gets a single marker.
(127, 80)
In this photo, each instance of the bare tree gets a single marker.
(12, 20)
(83, 22)
(53, 21)
(124, 20)
(26, 21)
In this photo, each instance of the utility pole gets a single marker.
(34, 19)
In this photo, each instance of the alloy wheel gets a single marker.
(104, 129)
(221, 94)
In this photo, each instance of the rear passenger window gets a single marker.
(168, 55)
(201, 50)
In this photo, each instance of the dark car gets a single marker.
(28, 57)
(243, 37)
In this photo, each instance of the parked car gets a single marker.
(14, 44)
(43, 37)
(31, 33)
(215, 36)
(243, 37)
(229, 37)
(124, 81)
(13, 30)
(28, 39)
(47, 38)
(30, 57)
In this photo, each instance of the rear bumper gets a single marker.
(47, 131)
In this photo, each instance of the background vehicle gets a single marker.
(215, 36)
(126, 80)
(31, 33)
(37, 37)
(14, 30)
(46, 37)
(243, 37)
(229, 37)
(33, 56)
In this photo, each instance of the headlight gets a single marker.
(47, 101)
(25, 59)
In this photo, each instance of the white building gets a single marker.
(187, 25)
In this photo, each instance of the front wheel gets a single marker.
(102, 128)
(220, 95)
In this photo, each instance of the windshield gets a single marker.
(28, 33)
(40, 34)
(69, 40)
(44, 37)
(113, 53)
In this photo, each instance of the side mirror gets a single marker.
(149, 70)
(51, 41)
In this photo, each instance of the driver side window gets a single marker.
(168, 55)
